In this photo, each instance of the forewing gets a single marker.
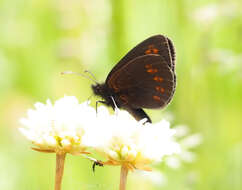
(158, 44)
(172, 53)
(145, 82)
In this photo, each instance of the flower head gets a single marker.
(124, 141)
(187, 142)
(58, 127)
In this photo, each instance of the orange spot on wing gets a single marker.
(116, 89)
(124, 99)
(158, 79)
(148, 51)
(157, 98)
(148, 66)
(155, 51)
(157, 88)
(160, 89)
(151, 50)
(152, 71)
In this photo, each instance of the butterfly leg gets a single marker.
(96, 163)
(138, 114)
(100, 101)
(114, 103)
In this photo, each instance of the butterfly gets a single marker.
(144, 78)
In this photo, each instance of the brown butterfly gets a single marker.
(144, 78)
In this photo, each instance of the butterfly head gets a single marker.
(100, 90)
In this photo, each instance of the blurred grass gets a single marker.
(39, 39)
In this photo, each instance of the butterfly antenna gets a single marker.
(94, 78)
(79, 74)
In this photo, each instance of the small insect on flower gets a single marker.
(58, 127)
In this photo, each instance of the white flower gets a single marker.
(228, 61)
(124, 141)
(208, 14)
(58, 127)
(187, 142)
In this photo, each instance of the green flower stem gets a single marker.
(123, 177)
(60, 160)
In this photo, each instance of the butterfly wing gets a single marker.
(144, 82)
(157, 44)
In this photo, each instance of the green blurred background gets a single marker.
(41, 38)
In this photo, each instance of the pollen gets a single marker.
(152, 71)
(157, 98)
(158, 79)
